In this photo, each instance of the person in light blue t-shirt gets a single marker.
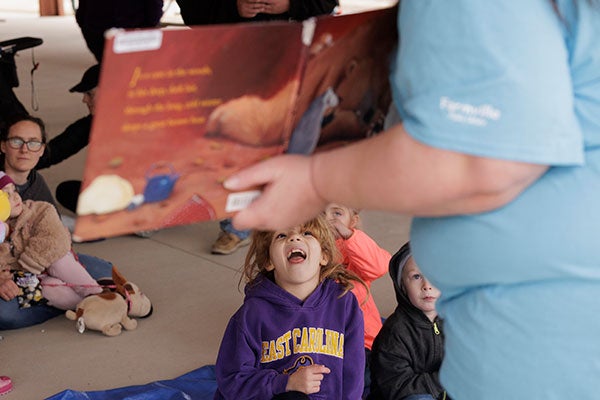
(497, 156)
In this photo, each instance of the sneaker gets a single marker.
(227, 243)
(144, 234)
(5, 385)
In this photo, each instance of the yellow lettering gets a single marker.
(296, 334)
(265, 350)
(286, 338)
(304, 341)
(334, 342)
(322, 348)
(272, 351)
(280, 349)
(313, 344)
(134, 78)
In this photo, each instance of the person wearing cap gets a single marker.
(74, 138)
(77, 135)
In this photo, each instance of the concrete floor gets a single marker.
(194, 292)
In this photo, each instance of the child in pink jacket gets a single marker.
(366, 259)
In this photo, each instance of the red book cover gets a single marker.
(178, 111)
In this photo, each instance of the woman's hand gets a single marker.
(288, 198)
(251, 8)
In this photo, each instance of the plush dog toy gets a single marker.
(110, 311)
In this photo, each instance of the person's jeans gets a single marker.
(13, 317)
(227, 226)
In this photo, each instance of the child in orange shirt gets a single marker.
(366, 259)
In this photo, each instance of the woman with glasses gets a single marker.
(22, 144)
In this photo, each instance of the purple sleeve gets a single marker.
(237, 367)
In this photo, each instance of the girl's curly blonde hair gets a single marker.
(259, 257)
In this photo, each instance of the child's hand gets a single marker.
(8, 288)
(307, 379)
(5, 273)
(340, 230)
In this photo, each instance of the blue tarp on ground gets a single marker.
(199, 384)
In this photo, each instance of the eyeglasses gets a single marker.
(32, 145)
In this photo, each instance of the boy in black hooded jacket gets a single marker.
(408, 351)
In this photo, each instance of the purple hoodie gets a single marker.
(274, 333)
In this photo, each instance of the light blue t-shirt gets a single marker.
(512, 80)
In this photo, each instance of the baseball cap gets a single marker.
(89, 80)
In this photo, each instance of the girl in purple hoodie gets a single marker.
(299, 333)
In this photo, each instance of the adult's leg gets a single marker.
(229, 239)
(67, 193)
(227, 226)
(94, 39)
(13, 317)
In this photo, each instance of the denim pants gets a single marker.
(227, 226)
(13, 317)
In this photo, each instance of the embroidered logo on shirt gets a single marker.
(469, 114)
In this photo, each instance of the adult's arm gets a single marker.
(391, 172)
(74, 138)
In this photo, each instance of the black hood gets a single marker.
(397, 263)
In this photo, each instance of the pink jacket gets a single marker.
(369, 261)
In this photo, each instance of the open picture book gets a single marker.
(178, 111)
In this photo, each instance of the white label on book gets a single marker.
(128, 42)
(239, 201)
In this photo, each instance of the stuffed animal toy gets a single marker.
(111, 310)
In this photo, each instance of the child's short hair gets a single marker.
(258, 257)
